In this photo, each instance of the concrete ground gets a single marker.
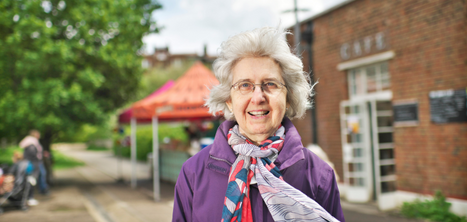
(101, 192)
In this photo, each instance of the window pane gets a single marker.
(352, 87)
(384, 121)
(371, 79)
(359, 84)
(388, 186)
(387, 170)
(357, 182)
(386, 154)
(355, 109)
(384, 67)
(385, 84)
(385, 137)
(357, 152)
(385, 77)
(383, 105)
(354, 138)
(355, 167)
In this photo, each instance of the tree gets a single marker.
(68, 63)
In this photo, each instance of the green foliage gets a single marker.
(87, 132)
(156, 77)
(96, 148)
(434, 210)
(62, 161)
(68, 63)
(6, 154)
(144, 139)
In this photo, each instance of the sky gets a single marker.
(188, 25)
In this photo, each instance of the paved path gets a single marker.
(93, 193)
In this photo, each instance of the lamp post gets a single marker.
(296, 27)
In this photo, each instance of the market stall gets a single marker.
(183, 101)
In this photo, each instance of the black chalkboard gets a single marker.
(407, 112)
(448, 106)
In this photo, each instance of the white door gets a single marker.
(368, 148)
(383, 154)
(356, 146)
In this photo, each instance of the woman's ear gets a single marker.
(229, 104)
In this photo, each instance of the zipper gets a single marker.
(212, 157)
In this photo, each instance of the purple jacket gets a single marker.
(202, 183)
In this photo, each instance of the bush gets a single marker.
(6, 154)
(144, 139)
(97, 148)
(434, 210)
(85, 133)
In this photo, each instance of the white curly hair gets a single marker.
(261, 42)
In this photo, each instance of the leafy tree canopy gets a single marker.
(68, 63)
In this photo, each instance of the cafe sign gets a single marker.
(363, 46)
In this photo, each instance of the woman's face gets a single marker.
(258, 113)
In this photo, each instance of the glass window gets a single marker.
(388, 186)
(355, 167)
(383, 105)
(371, 84)
(369, 79)
(358, 182)
(386, 154)
(384, 121)
(385, 137)
(387, 170)
(385, 78)
(357, 152)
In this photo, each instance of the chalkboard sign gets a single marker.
(448, 106)
(405, 112)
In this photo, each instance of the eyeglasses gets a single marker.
(270, 87)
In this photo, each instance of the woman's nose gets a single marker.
(258, 95)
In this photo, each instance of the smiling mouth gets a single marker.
(258, 113)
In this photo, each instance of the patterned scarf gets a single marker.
(285, 203)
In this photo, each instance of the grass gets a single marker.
(60, 160)
(97, 148)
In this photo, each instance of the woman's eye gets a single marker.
(245, 85)
(271, 85)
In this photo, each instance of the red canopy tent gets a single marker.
(126, 115)
(183, 101)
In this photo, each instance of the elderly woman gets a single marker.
(257, 168)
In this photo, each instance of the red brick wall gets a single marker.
(430, 41)
(429, 38)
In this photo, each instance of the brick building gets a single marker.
(391, 99)
(163, 58)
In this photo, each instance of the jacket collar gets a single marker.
(289, 155)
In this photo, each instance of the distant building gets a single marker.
(391, 99)
(162, 57)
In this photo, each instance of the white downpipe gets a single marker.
(155, 158)
(133, 152)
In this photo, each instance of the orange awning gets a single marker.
(184, 100)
